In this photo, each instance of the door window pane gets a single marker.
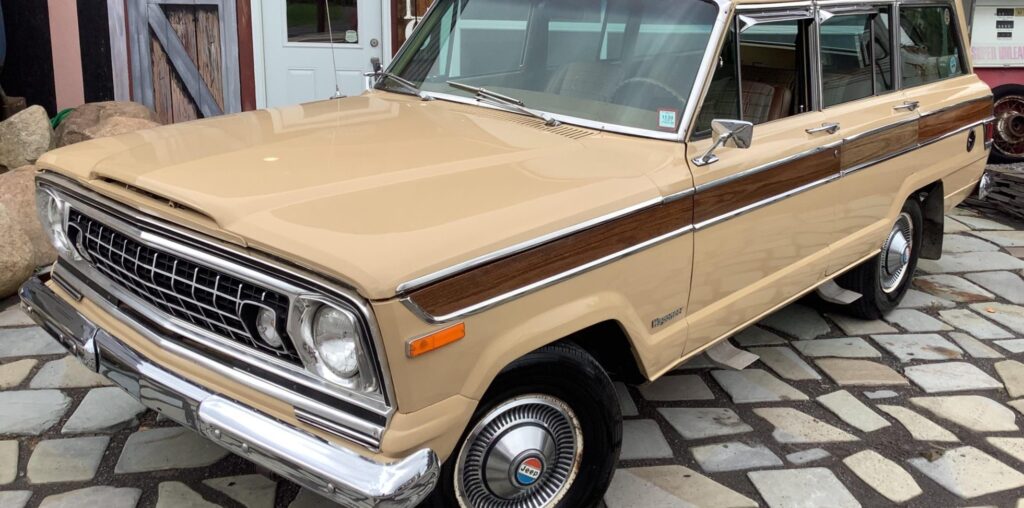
(308, 21)
(855, 61)
(722, 100)
(929, 47)
(774, 64)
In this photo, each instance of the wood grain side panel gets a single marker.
(878, 145)
(936, 124)
(550, 259)
(745, 191)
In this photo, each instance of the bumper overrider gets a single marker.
(334, 472)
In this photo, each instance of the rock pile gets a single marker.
(24, 137)
(102, 119)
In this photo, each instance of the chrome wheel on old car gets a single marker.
(896, 251)
(1008, 138)
(524, 453)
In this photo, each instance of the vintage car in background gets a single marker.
(424, 293)
(997, 38)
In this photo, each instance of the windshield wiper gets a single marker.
(407, 85)
(497, 99)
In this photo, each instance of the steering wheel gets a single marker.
(650, 101)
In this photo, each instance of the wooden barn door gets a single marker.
(184, 57)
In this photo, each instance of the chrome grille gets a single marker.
(207, 298)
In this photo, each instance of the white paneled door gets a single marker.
(299, 64)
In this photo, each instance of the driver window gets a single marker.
(768, 80)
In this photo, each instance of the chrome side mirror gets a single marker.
(732, 133)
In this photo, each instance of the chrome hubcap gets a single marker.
(524, 453)
(896, 253)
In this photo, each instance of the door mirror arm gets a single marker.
(732, 133)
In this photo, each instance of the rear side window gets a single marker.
(855, 58)
(929, 46)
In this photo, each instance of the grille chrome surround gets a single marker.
(203, 296)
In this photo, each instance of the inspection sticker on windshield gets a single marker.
(667, 119)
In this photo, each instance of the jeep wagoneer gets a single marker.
(423, 294)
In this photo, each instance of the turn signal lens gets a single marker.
(436, 340)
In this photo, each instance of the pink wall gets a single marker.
(67, 55)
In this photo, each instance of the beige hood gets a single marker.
(379, 189)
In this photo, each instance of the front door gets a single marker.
(300, 65)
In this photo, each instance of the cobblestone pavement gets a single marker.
(921, 409)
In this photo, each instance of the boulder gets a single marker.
(16, 263)
(84, 123)
(17, 194)
(24, 137)
(119, 125)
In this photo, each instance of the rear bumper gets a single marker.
(336, 473)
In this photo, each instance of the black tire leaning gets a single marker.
(864, 279)
(1005, 92)
(566, 372)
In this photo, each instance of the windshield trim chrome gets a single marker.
(689, 113)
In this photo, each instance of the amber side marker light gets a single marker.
(436, 340)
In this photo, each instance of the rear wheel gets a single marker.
(884, 280)
(546, 434)
(1008, 139)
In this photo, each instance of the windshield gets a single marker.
(623, 62)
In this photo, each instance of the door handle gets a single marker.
(908, 106)
(830, 128)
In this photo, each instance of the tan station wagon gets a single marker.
(424, 293)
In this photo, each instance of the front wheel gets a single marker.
(547, 434)
(884, 279)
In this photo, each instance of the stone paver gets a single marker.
(310, 499)
(1010, 316)
(1012, 446)
(14, 317)
(950, 377)
(166, 448)
(981, 224)
(800, 321)
(103, 409)
(952, 226)
(802, 488)
(955, 244)
(1014, 346)
(626, 404)
(910, 347)
(880, 394)
(974, 324)
(31, 411)
(94, 497)
(885, 476)
(677, 387)
(1005, 284)
(66, 460)
(853, 326)
(974, 347)
(671, 487)
(973, 412)
(12, 374)
(18, 342)
(792, 426)
(8, 461)
(754, 385)
(919, 427)
(969, 472)
(860, 372)
(251, 490)
(953, 288)
(852, 411)
(68, 372)
(807, 456)
(704, 422)
(785, 363)
(642, 439)
(178, 495)
(757, 336)
(734, 456)
(848, 347)
(913, 320)
(915, 299)
(15, 498)
(1012, 374)
(1003, 238)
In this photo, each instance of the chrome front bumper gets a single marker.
(336, 473)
